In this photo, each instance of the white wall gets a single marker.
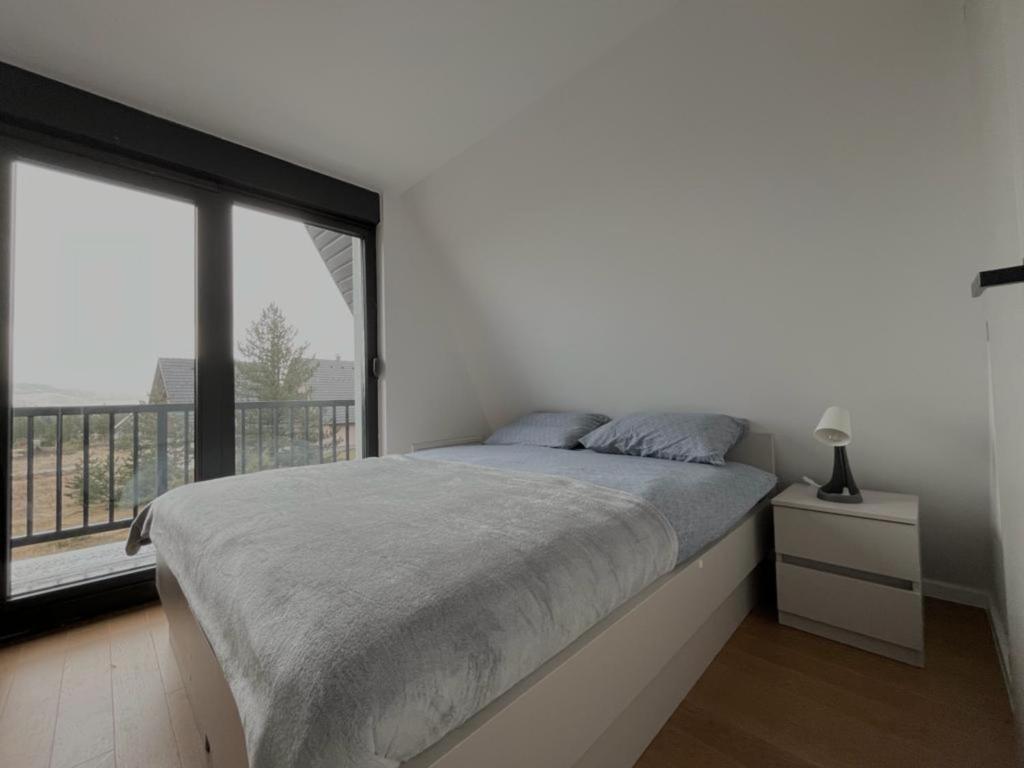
(426, 394)
(997, 48)
(759, 208)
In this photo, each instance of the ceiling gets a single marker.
(379, 92)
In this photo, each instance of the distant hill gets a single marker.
(35, 395)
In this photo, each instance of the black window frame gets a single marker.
(46, 122)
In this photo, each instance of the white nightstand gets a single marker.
(851, 572)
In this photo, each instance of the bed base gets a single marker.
(597, 704)
(213, 704)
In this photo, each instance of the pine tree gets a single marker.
(273, 367)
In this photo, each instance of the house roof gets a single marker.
(178, 377)
(336, 251)
(332, 379)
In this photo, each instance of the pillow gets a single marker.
(552, 430)
(702, 438)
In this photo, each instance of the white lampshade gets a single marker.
(834, 427)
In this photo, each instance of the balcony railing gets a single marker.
(123, 456)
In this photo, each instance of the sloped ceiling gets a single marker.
(379, 92)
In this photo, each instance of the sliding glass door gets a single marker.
(103, 297)
(159, 331)
(298, 324)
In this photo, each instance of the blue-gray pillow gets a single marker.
(702, 438)
(552, 430)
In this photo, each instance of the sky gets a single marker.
(104, 283)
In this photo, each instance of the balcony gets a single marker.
(80, 474)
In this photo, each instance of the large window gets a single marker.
(298, 362)
(161, 329)
(104, 298)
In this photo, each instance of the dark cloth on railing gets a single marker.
(138, 534)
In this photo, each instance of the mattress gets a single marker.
(701, 502)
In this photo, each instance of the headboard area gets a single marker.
(756, 449)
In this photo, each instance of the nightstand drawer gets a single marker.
(875, 546)
(875, 610)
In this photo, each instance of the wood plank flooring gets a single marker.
(776, 696)
(101, 695)
(109, 695)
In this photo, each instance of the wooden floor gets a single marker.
(777, 696)
(109, 694)
(80, 697)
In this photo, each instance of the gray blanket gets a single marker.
(702, 502)
(360, 611)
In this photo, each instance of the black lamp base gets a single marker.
(842, 488)
(841, 498)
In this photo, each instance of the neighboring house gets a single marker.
(175, 378)
(174, 381)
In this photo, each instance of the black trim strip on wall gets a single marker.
(6, 253)
(73, 129)
(37, 103)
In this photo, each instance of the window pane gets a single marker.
(296, 315)
(103, 369)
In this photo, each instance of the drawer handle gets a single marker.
(853, 573)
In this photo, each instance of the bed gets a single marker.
(575, 658)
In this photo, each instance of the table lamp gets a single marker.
(834, 430)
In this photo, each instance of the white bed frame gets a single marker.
(597, 704)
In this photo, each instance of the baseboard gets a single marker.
(1002, 641)
(956, 593)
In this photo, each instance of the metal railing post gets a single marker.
(161, 452)
(85, 469)
(110, 467)
(320, 431)
(305, 435)
(277, 428)
(59, 474)
(184, 418)
(334, 433)
(30, 438)
(135, 463)
(291, 436)
(259, 439)
(241, 419)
